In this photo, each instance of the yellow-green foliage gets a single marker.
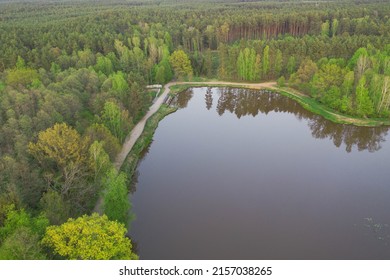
(181, 64)
(24, 76)
(62, 151)
(90, 238)
(99, 160)
(60, 143)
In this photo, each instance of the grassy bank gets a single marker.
(179, 88)
(329, 114)
(307, 102)
(145, 139)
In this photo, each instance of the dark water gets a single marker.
(243, 174)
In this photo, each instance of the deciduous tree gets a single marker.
(116, 120)
(116, 204)
(62, 146)
(181, 64)
(23, 244)
(265, 62)
(90, 238)
(364, 106)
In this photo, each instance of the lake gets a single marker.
(249, 174)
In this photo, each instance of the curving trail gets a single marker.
(137, 130)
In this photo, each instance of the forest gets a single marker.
(72, 85)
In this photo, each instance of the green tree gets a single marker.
(20, 63)
(251, 64)
(63, 146)
(346, 104)
(364, 106)
(208, 64)
(347, 86)
(332, 97)
(291, 65)
(23, 244)
(99, 132)
(384, 102)
(55, 68)
(278, 63)
(160, 75)
(223, 61)
(181, 64)
(325, 28)
(99, 160)
(246, 64)
(59, 143)
(354, 59)
(163, 72)
(9, 199)
(116, 204)
(104, 65)
(265, 62)
(281, 82)
(119, 83)
(303, 76)
(16, 219)
(89, 238)
(329, 75)
(168, 41)
(257, 70)
(335, 26)
(241, 67)
(116, 120)
(56, 210)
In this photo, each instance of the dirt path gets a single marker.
(137, 130)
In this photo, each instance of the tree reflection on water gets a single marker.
(244, 102)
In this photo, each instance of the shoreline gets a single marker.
(138, 132)
(142, 134)
(305, 101)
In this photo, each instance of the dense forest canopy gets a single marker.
(73, 77)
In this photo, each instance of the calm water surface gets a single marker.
(243, 174)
